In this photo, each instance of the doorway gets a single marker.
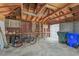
(53, 32)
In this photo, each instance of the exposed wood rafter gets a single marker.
(75, 11)
(42, 8)
(12, 10)
(46, 18)
(9, 6)
(42, 13)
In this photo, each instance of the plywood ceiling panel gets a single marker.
(58, 5)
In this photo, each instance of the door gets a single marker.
(53, 32)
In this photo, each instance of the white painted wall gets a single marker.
(53, 32)
(70, 27)
(76, 27)
(66, 27)
(2, 26)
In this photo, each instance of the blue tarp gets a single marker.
(73, 39)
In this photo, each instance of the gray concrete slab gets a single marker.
(41, 48)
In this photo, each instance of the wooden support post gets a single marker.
(49, 30)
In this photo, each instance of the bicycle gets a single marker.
(18, 40)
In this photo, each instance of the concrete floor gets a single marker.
(41, 48)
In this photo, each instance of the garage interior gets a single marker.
(31, 29)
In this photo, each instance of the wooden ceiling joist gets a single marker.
(4, 11)
(21, 11)
(68, 19)
(75, 11)
(30, 11)
(9, 6)
(53, 6)
(25, 9)
(29, 16)
(42, 8)
(12, 10)
(45, 19)
(43, 13)
(66, 14)
(48, 13)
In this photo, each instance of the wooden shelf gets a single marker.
(27, 33)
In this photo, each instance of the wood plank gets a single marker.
(42, 8)
(75, 11)
(8, 6)
(45, 19)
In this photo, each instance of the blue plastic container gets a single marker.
(73, 39)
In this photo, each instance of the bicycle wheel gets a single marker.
(16, 42)
(33, 40)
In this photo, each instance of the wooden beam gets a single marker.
(75, 11)
(31, 10)
(45, 19)
(53, 6)
(28, 11)
(5, 11)
(46, 15)
(38, 19)
(26, 8)
(31, 13)
(13, 8)
(42, 8)
(8, 6)
(34, 11)
(21, 10)
(33, 7)
(68, 19)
